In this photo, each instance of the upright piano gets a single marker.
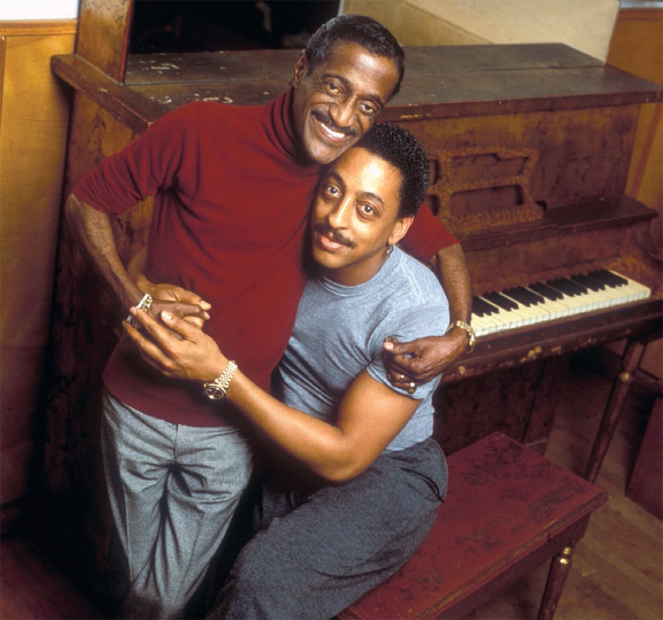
(530, 147)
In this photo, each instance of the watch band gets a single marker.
(471, 336)
(217, 389)
(143, 304)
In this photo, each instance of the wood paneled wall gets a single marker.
(584, 25)
(34, 116)
(637, 47)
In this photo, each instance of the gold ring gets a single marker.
(412, 388)
(401, 377)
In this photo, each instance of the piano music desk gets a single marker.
(507, 511)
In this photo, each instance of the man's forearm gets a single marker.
(95, 234)
(451, 270)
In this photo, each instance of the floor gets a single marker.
(617, 567)
(33, 587)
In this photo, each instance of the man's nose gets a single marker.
(341, 112)
(339, 216)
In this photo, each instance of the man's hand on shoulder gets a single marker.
(423, 359)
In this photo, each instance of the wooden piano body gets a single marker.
(530, 148)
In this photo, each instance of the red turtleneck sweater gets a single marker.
(229, 222)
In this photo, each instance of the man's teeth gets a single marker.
(332, 241)
(334, 134)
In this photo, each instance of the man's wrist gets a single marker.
(144, 285)
(217, 389)
(469, 332)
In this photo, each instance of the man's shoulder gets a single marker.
(412, 264)
(217, 110)
(211, 120)
(415, 273)
(413, 288)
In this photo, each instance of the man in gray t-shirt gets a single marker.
(339, 333)
(378, 476)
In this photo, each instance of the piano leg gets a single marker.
(542, 413)
(620, 389)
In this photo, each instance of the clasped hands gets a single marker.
(417, 361)
(176, 300)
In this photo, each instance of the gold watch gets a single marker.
(471, 336)
(217, 389)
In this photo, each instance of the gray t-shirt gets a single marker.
(339, 332)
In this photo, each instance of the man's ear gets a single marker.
(400, 229)
(300, 69)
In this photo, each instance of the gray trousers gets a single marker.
(317, 555)
(173, 490)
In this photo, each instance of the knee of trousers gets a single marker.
(263, 586)
(260, 571)
(140, 606)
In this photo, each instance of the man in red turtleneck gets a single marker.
(232, 187)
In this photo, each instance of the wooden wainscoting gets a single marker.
(34, 117)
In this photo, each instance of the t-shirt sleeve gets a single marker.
(147, 164)
(426, 236)
(431, 319)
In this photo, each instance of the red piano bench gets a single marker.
(507, 511)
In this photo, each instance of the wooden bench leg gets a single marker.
(559, 571)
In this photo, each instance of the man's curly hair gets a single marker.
(398, 147)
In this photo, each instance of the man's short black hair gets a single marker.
(365, 31)
(398, 147)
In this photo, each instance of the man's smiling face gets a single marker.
(355, 217)
(336, 102)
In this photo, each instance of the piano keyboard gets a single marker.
(546, 301)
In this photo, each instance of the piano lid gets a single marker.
(501, 79)
(439, 82)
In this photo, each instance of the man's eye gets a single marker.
(331, 190)
(368, 109)
(366, 209)
(333, 88)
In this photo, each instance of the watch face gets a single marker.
(214, 392)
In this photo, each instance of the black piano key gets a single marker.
(503, 302)
(523, 296)
(589, 282)
(477, 308)
(490, 308)
(546, 291)
(567, 287)
(608, 277)
(481, 307)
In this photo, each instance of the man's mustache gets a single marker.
(325, 119)
(328, 231)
